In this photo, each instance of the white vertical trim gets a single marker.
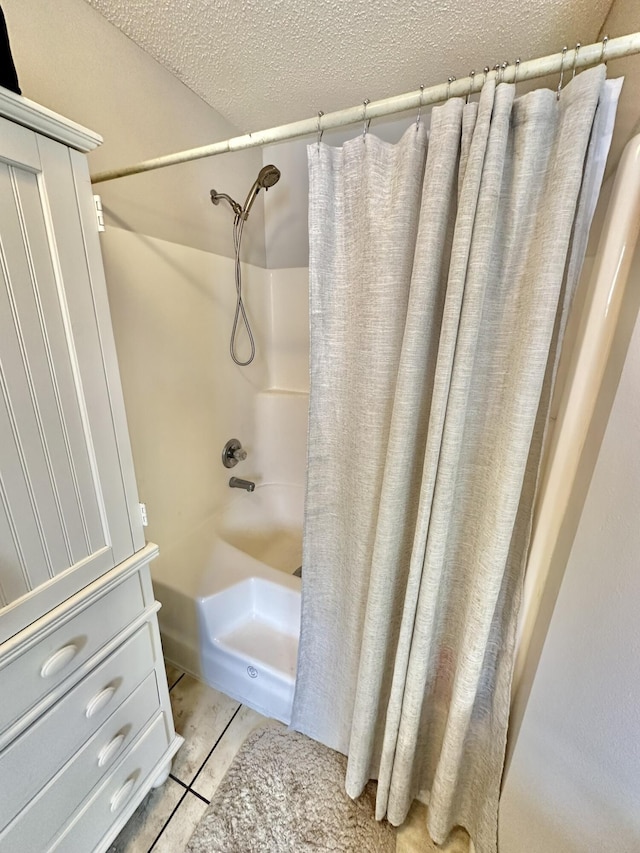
(96, 274)
(75, 368)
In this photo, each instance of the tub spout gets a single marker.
(237, 483)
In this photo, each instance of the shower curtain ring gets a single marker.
(575, 58)
(486, 74)
(515, 76)
(472, 74)
(450, 80)
(604, 48)
(366, 122)
(564, 53)
(320, 130)
(419, 106)
(503, 68)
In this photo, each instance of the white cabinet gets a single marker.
(68, 503)
(85, 720)
(87, 731)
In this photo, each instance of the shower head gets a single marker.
(267, 177)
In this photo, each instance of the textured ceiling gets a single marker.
(267, 62)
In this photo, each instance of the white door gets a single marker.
(68, 503)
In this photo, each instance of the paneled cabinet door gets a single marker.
(68, 503)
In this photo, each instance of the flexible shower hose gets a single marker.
(238, 227)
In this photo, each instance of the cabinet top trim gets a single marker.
(33, 633)
(45, 121)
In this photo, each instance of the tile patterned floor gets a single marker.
(214, 728)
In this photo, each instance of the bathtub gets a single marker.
(230, 603)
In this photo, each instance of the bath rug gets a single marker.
(284, 793)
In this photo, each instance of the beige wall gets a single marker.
(624, 18)
(73, 61)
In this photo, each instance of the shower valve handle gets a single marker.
(232, 453)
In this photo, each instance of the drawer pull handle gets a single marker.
(110, 750)
(123, 794)
(99, 701)
(59, 660)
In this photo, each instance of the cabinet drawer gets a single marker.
(37, 755)
(92, 822)
(28, 677)
(48, 813)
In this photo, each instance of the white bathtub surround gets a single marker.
(248, 606)
(281, 418)
(289, 330)
(229, 597)
(249, 633)
(185, 398)
(265, 524)
(414, 551)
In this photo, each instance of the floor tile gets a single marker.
(181, 827)
(200, 715)
(151, 815)
(245, 721)
(173, 673)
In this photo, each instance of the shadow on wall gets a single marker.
(186, 275)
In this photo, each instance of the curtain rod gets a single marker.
(568, 60)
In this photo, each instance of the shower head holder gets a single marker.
(217, 197)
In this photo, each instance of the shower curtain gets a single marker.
(440, 278)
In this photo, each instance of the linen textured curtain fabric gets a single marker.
(440, 279)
